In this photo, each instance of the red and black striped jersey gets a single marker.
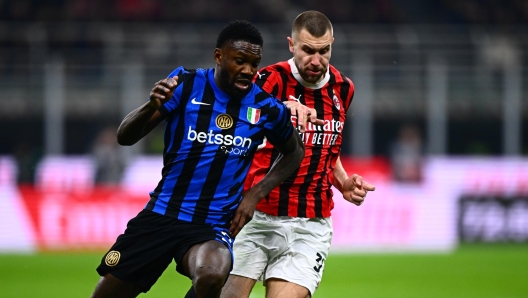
(307, 192)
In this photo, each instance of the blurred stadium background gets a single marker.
(439, 123)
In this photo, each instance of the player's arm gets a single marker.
(292, 153)
(353, 188)
(142, 120)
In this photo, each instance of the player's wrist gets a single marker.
(153, 104)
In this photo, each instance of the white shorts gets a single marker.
(289, 248)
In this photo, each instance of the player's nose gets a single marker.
(316, 59)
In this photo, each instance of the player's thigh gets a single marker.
(257, 243)
(210, 257)
(279, 288)
(303, 263)
(238, 287)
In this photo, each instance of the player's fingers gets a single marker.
(356, 200)
(237, 228)
(168, 83)
(234, 224)
(156, 95)
(173, 82)
(313, 118)
(319, 122)
(360, 192)
(162, 88)
(301, 119)
(293, 113)
(368, 186)
(358, 181)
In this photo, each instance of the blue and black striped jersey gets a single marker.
(210, 140)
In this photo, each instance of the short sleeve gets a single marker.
(269, 80)
(279, 128)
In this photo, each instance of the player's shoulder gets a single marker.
(339, 76)
(261, 97)
(183, 71)
(277, 68)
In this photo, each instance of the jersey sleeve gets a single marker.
(270, 81)
(279, 127)
(348, 93)
(172, 104)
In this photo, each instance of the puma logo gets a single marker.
(297, 99)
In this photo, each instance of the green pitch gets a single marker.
(472, 271)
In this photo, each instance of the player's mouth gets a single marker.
(242, 84)
(313, 72)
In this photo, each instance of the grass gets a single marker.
(493, 270)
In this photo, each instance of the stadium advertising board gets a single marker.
(460, 199)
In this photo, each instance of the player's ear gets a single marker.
(218, 56)
(290, 44)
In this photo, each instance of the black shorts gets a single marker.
(150, 242)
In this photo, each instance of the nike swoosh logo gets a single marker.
(193, 101)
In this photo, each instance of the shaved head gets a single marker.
(316, 23)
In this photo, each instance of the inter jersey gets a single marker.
(307, 192)
(210, 140)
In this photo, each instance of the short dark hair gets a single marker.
(239, 30)
(316, 23)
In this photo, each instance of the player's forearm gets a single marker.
(340, 175)
(136, 125)
(283, 167)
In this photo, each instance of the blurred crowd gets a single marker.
(339, 11)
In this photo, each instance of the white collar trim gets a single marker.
(298, 77)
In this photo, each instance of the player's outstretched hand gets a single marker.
(303, 114)
(355, 189)
(243, 214)
(162, 91)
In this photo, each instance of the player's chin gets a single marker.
(238, 92)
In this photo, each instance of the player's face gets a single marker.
(311, 54)
(237, 63)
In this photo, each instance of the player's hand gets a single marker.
(243, 214)
(303, 114)
(163, 91)
(355, 189)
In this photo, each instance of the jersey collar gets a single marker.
(298, 77)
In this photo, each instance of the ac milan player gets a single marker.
(287, 241)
